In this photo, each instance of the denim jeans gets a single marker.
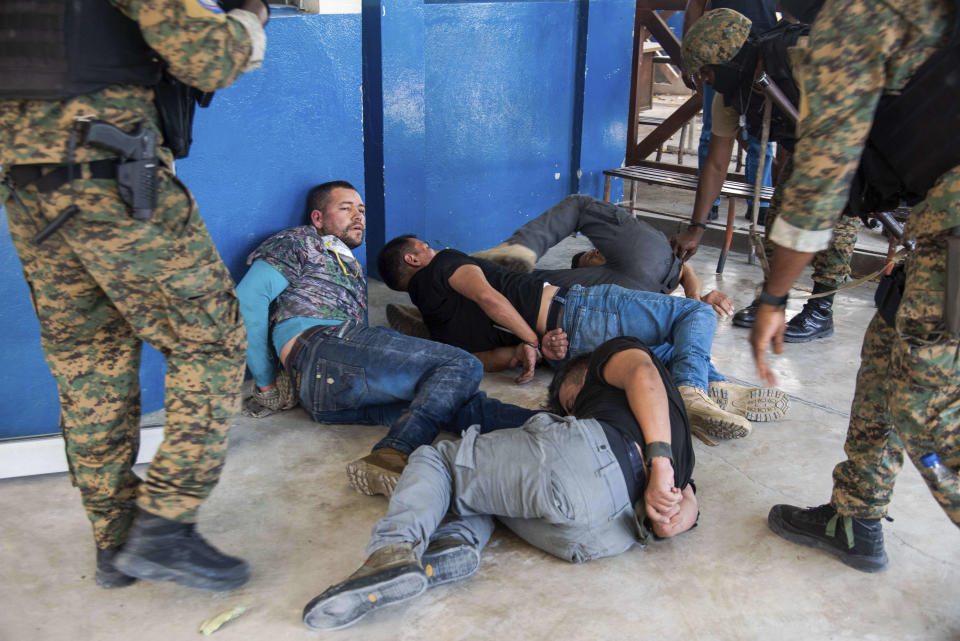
(352, 373)
(554, 482)
(753, 148)
(593, 315)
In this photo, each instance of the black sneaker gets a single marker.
(160, 549)
(714, 213)
(450, 559)
(391, 575)
(856, 542)
(108, 576)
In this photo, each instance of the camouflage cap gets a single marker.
(714, 39)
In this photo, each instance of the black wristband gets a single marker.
(702, 226)
(766, 298)
(658, 448)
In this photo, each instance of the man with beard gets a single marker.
(305, 292)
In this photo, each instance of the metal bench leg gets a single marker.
(728, 236)
(606, 188)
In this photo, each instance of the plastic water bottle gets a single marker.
(936, 473)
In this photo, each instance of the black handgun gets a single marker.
(137, 171)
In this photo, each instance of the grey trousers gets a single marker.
(553, 481)
(638, 256)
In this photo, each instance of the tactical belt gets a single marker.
(46, 180)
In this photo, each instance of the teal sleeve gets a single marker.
(256, 291)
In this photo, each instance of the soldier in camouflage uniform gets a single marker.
(716, 39)
(908, 387)
(106, 282)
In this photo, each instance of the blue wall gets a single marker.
(456, 120)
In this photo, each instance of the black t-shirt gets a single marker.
(607, 404)
(455, 319)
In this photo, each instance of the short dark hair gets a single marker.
(319, 196)
(390, 261)
(576, 260)
(576, 366)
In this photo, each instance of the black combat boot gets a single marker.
(159, 549)
(856, 542)
(108, 576)
(815, 320)
(746, 316)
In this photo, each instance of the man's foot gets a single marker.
(407, 320)
(450, 559)
(108, 576)
(705, 414)
(377, 472)
(757, 404)
(746, 316)
(159, 549)
(516, 257)
(856, 542)
(391, 575)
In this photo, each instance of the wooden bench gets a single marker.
(686, 178)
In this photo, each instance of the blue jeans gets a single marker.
(679, 330)
(554, 482)
(753, 148)
(352, 373)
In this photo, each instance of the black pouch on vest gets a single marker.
(889, 293)
(175, 103)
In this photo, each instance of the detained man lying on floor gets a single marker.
(590, 481)
(507, 318)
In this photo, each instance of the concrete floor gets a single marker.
(284, 504)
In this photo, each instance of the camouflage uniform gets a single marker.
(715, 41)
(908, 387)
(105, 282)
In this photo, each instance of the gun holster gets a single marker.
(889, 292)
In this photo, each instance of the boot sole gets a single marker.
(370, 480)
(451, 564)
(760, 405)
(141, 568)
(807, 339)
(111, 580)
(346, 604)
(784, 530)
(721, 429)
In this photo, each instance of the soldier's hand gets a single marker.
(767, 330)
(685, 243)
(259, 8)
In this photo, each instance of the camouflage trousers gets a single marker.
(100, 286)
(908, 386)
(831, 266)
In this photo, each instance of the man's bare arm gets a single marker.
(469, 281)
(634, 372)
(708, 188)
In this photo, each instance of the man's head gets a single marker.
(714, 39)
(591, 258)
(336, 209)
(566, 385)
(401, 258)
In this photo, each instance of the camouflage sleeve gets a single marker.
(283, 252)
(841, 75)
(202, 46)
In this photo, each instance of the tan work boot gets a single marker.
(377, 472)
(515, 257)
(391, 575)
(407, 320)
(705, 414)
(759, 404)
